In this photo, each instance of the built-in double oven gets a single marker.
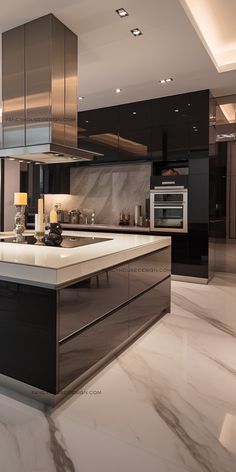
(169, 209)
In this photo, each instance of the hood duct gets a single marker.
(40, 93)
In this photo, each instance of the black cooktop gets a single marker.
(68, 241)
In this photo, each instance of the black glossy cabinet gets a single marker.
(91, 345)
(199, 120)
(92, 308)
(27, 334)
(136, 115)
(84, 302)
(170, 121)
(147, 271)
(135, 131)
(153, 303)
(162, 129)
(98, 131)
(50, 337)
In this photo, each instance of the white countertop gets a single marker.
(102, 227)
(54, 266)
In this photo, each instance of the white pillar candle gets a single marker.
(39, 224)
(20, 198)
(40, 218)
(40, 206)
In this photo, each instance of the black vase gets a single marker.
(54, 237)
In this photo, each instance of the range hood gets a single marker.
(40, 93)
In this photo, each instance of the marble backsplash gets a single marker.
(110, 189)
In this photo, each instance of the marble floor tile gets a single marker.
(166, 404)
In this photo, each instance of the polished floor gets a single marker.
(167, 404)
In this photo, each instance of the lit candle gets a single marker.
(53, 216)
(20, 198)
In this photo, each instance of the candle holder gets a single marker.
(39, 235)
(20, 224)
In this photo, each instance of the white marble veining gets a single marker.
(55, 265)
(166, 404)
(111, 189)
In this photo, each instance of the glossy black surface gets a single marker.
(154, 303)
(98, 131)
(50, 337)
(163, 129)
(149, 270)
(84, 302)
(91, 345)
(67, 242)
(28, 334)
(83, 351)
(55, 178)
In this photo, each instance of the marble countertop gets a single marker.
(52, 267)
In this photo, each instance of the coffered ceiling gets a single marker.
(111, 57)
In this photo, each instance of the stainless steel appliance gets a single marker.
(169, 209)
(40, 93)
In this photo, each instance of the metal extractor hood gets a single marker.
(40, 93)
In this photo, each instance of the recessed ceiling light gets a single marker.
(163, 81)
(136, 32)
(81, 98)
(86, 121)
(176, 110)
(122, 12)
(134, 113)
(118, 90)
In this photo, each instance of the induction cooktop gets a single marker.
(68, 241)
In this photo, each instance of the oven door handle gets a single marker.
(168, 207)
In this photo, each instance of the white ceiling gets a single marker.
(214, 22)
(110, 57)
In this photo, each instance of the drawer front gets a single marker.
(153, 303)
(82, 303)
(28, 334)
(82, 352)
(148, 270)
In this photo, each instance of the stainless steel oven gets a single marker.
(169, 209)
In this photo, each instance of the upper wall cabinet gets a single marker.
(98, 132)
(163, 129)
(199, 120)
(170, 117)
(135, 131)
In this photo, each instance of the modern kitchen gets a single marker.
(117, 242)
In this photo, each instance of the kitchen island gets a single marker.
(64, 312)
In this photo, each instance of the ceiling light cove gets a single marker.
(136, 32)
(122, 12)
(214, 22)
